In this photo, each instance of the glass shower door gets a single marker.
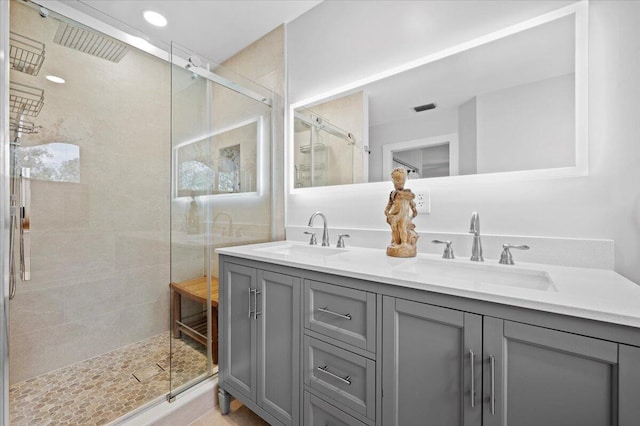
(221, 196)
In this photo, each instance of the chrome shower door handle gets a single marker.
(25, 223)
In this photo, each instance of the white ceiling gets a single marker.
(215, 29)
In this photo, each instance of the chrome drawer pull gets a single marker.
(346, 380)
(327, 311)
(250, 294)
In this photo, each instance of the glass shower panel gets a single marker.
(221, 196)
(91, 327)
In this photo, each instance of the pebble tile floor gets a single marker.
(101, 389)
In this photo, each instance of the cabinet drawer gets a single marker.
(345, 314)
(320, 413)
(340, 375)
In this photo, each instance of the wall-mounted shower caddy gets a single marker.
(26, 56)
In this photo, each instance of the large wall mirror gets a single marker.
(511, 103)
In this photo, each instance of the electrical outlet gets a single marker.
(423, 202)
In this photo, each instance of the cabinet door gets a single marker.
(279, 324)
(427, 365)
(536, 376)
(629, 369)
(238, 329)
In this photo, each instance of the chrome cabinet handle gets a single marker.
(25, 223)
(492, 360)
(327, 311)
(250, 310)
(325, 370)
(472, 360)
(256, 312)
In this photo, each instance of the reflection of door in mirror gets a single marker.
(423, 158)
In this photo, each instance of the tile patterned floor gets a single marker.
(101, 389)
(239, 415)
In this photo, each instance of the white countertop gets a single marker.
(596, 294)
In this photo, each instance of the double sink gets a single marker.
(424, 267)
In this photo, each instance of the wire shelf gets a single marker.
(22, 126)
(25, 54)
(305, 149)
(25, 99)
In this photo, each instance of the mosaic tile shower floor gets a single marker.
(101, 389)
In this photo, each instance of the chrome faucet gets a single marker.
(476, 248)
(325, 231)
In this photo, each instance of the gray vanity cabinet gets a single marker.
(431, 371)
(523, 375)
(300, 346)
(536, 376)
(261, 340)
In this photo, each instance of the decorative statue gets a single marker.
(400, 210)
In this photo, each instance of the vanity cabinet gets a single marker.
(536, 376)
(431, 362)
(306, 347)
(443, 366)
(260, 340)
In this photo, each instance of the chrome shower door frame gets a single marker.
(4, 211)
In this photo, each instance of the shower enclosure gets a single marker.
(140, 164)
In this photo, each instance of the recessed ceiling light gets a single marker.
(154, 18)
(55, 79)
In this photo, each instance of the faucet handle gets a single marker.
(341, 241)
(313, 241)
(506, 258)
(448, 250)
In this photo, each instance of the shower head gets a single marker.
(88, 41)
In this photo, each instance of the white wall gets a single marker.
(527, 127)
(368, 37)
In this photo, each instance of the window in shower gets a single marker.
(54, 162)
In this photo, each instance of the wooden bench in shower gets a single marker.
(196, 290)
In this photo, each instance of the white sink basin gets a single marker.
(302, 251)
(445, 271)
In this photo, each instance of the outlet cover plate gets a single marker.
(423, 202)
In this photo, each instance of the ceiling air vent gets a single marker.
(425, 107)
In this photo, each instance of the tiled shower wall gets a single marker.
(100, 247)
